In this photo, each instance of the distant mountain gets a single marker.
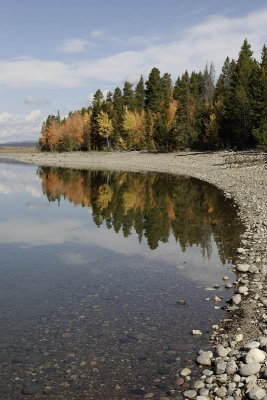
(26, 143)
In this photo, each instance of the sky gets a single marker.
(55, 54)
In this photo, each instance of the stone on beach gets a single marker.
(255, 356)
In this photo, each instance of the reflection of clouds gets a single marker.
(31, 233)
(73, 258)
(15, 179)
(36, 205)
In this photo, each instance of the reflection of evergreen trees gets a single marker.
(153, 205)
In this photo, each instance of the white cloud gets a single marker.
(74, 46)
(16, 127)
(15, 180)
(96, 34)
(213, 39)
(34, 101)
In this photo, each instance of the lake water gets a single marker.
(95, 269)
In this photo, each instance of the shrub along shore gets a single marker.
(236, 365)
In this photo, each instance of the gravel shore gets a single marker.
(236, 366)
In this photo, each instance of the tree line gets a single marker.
(194, 112)
(155, 206)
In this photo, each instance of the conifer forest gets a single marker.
(198, 111)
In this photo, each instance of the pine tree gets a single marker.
(238, 106)
(97, 105)
(185, 128)
(260, 130)
(128, 96)
(153, 91)
(140, 95)
(118, 109)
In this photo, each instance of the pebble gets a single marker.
(239, 337)
(196, 332)
(250, 369)
(185, 372)
(231, 367)
(252, 345)
(256, 393)
(236, 299)
(222, 351)
(221, 392)
(243, 267)
(190, 394)
(255, 356)
(204, 358)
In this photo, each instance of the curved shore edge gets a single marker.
(236, 366)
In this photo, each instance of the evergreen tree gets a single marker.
(185, 129)
(238, 107)
(153, 91)
(118, 109)
(97, 105)
(260, 130)
(128, 96)
(140, 95)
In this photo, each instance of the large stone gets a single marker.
(236, 299)
(242, 267)
(252, 345)
(220, 367)
(204, 358)
(190, 394)
(250, 369)
(231, 367)
(222, 351)
(255, 356)
(202, 398)
(257, 393)
(221, 392)
(240, 250)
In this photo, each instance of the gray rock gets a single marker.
(231, 367)
(240, 250)
(252, 345)
(236, 299)
(207, 372)
(204, 358)
(257, 393)
(202, 398)
(223, 378)
(242, 289)
(255, 356)
(204, 392)
(220, 367)
(190, 394)
(222, 351)
(221, 392)
(199, 385)
(185, 372)
(243, 267)
(250, 369)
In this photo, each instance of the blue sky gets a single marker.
(55, 54)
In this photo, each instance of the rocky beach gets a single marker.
(235, 367)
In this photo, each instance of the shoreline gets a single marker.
(243, 178)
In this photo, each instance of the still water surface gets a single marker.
(93, 267)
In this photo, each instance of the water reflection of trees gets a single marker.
(154, 205)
